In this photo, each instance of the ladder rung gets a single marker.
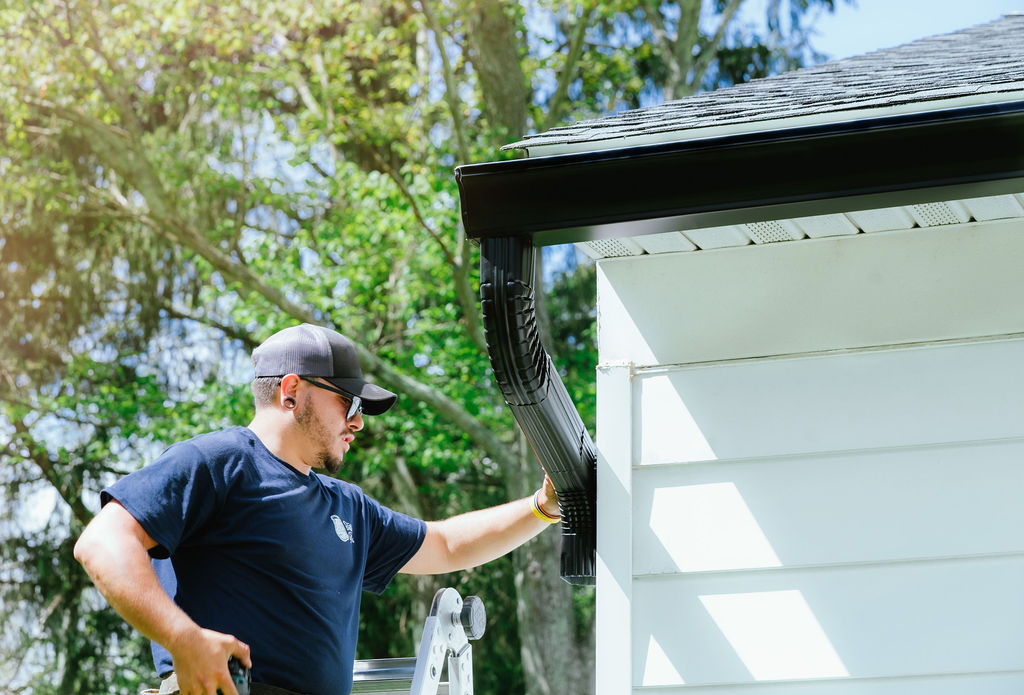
(386, 676)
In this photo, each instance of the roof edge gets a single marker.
(823, 118)
(967, 152)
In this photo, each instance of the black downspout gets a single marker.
(541, 405)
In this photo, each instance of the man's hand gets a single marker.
(547, 498)
(201, 662)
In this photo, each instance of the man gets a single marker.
(268, 559)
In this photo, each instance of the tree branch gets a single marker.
(232, 332)
(318, 66)
(451, 88)
(40, 409)
(402, 188)
(38, 456)
(460, 261)
(97, 46)
(654, 17)
(119, 152)
(681, 58)
(576, 43)
(460, 267)
(707, 54)
(302, 87)
(68, 42)
(468, 298)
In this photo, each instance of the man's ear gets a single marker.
(287, 397)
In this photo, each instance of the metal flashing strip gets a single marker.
(838, 167)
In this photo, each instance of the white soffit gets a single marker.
(826, 225)
(882, 220)
(1000, 207)
(718, 237)
(665, 243)
(997, 207)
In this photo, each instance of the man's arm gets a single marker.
(474, 538)
(114, 549)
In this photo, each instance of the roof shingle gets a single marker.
(982, 61)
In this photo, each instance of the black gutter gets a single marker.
(514, 205)
(873, 163)
(538, 399)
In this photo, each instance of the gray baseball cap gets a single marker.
(314, 351)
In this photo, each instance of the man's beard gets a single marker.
(327, 461)
(313, 427)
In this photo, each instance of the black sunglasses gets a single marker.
(356, 403)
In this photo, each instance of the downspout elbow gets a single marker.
(539, 401)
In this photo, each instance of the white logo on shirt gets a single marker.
(343, 529)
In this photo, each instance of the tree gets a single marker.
(179, 180)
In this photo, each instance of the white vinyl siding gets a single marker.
(835, 508)
(811, 467)
(857, 400)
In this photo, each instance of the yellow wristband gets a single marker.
(540, 513)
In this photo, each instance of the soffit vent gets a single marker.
(609, 248)
(935, 214)
(773, 231)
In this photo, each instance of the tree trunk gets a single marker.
(498, 64)
(557, 652)
(424, 586)
(556, 658)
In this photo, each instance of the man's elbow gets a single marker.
(101, 541)
(87, 548)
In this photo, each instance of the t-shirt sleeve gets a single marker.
(394, 539)
(172, 497)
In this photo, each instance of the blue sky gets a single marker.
(872, 24)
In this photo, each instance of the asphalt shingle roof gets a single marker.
(987, 59)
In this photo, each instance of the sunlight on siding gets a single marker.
(775, 634)
(669, 432)
(659, 669)
(709, 527)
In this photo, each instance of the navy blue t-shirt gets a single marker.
(265, 553)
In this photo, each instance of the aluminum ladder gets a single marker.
(449, 627)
